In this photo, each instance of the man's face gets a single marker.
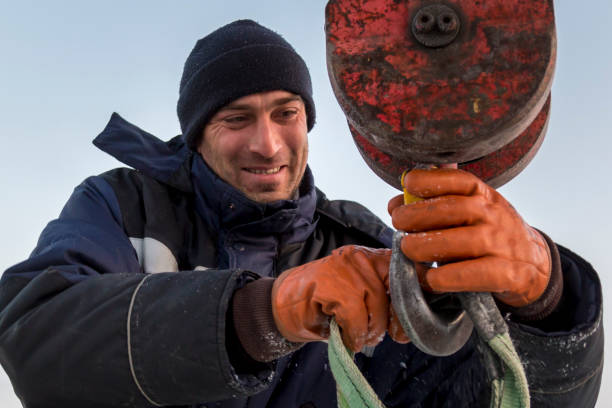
(259, 145)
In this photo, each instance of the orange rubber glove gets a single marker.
(480, 240)
(351, 285)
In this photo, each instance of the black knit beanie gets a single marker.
(239, 59)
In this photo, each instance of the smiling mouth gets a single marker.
(264, 171)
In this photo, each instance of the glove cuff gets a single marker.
(549, 300)
(254, 322)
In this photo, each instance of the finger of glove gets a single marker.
(396, 331)
(440, 213)
(373, 266)
(377, 303)
(447, 245)
(377, 329)
(363, 315)
(394, 203)
(428, 183)
(515, 283)
(381, 262)
(352, 317)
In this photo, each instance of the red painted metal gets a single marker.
(458, 103)
(496, 168)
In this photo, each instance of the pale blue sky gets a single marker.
(67, 65)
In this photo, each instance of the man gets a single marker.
(207, 276)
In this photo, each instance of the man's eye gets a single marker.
(288, 113)
(235, 119)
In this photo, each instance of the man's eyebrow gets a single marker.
(234, 106)
(282, 101)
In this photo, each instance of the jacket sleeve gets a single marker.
(81, 325)
(563, 353)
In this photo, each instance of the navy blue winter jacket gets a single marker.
(124, 300)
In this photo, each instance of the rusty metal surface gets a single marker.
(496, 168)
(456, 103)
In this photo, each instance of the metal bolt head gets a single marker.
(424, 23)
(447, 22)
(436, 25)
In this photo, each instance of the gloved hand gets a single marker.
(481, 242)
(351, 284)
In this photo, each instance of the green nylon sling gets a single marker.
(353, 391)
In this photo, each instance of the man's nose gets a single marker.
(267, 139)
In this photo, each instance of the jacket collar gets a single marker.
(163, 161)
(226, 208)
